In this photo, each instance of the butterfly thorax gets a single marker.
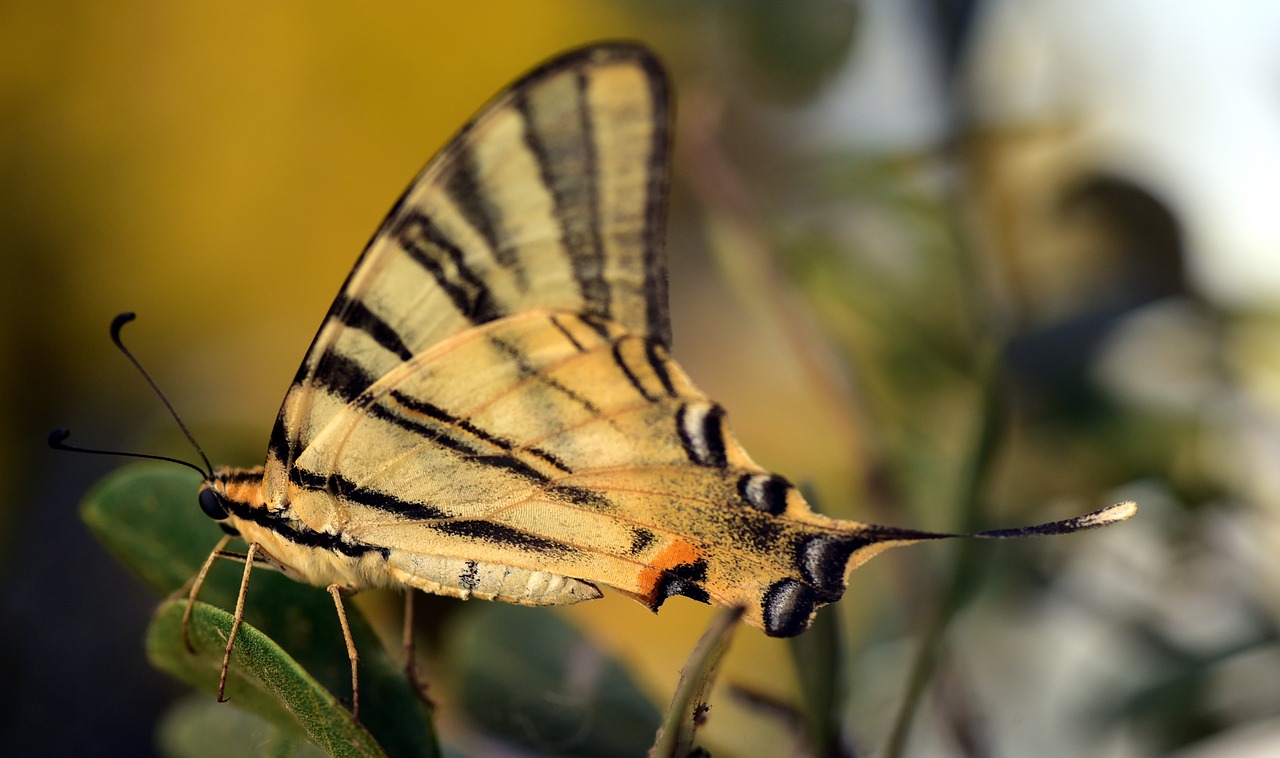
(301, 551)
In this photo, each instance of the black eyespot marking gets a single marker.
(822, 561)
(683, 579)
(701, 433)
(764, 492)
(787, 607)
(212, 505)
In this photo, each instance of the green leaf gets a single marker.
(526, 677)
(199, 727)
(148, 517)
(263, 679)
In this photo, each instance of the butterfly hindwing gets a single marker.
(543, 442)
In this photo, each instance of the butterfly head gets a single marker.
(228, 495)
(212, 498)
(212, 504)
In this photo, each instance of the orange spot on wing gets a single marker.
(672, 555)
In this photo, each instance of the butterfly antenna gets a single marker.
(1101, 517)
(117, 324)
(58, 441)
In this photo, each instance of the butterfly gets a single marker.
(490, 408)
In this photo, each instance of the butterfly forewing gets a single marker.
(552, 197)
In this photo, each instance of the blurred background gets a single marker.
(949, 265)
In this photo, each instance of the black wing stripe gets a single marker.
(555, 321)
(526, 370)
(288, 529)
(437, 434)
(489, 531)
(655, 263)
(349, 490)
(386, 502)
(342, 376)
(279, 446)
(659, 365)
(566, 162)
(599, 325)
(464, 188)
(631, 376)
(434, 411)
(354, 314)
(419, 236)
(588, 254)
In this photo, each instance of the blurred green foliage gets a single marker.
(878, 319)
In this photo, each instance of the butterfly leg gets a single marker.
(336, 592)
(196, 584)
(411, 653)
(238, 618)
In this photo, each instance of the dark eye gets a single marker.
(212, 505)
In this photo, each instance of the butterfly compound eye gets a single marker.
(212, 505)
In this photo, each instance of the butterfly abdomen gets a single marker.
(468, 578)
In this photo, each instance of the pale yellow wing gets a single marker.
(551, 197)
(549, 443)
(489, 408)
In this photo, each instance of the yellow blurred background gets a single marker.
(885, 216)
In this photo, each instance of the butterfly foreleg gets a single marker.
(219, 551)
(237, 618)
(196, 584)
(411, 652)
(336, 590)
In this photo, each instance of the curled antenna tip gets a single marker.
(58, 441)
(118, 323)
(1111, 514)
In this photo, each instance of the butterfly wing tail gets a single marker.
(811, 570)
